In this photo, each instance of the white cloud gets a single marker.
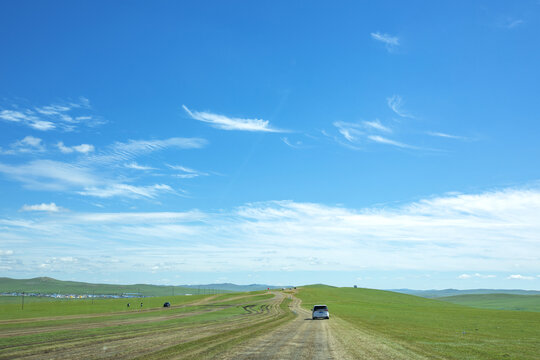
(125, 151)
(377, 125)
(295, 145)
(55, 116)
(520, 277)
(29, 144)
(443, 135)
(52, 207)
(449, 233)
(391, 42)
(126, 190)
(383, 140)
(359, 132)
(395, 102)
(227, 123)
(185, 172)
(50, 175)
(476, 275)
(512, 23)
(6, 252)
(83, 148)
(135, 166)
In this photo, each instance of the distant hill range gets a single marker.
(431, 294)
(47, 285)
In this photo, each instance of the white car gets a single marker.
(320, 312)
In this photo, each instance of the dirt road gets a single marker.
(302, 338)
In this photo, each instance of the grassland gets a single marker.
(497, 301)
(194, 326)
(434, 329)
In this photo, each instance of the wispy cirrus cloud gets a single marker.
(125, 151)
(395, 102)
(383, 140)
(511, 23)
(368, 131)
(390, 42)
(185, 172)
(133, 165)
(295, 145)
(50, 175)
(65, 116)
(127, 190)
(231, 123)
(446, 136)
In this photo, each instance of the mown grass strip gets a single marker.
(210, 345)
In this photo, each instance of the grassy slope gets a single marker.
(434, 328)
(49, 286)
(497, 301)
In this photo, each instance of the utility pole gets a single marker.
(22, 305)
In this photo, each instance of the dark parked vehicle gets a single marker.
(167, 304)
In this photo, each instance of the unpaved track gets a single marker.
(304, 338)
(301, 338)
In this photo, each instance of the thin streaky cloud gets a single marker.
(395, 102)
(296, 145)
(126, 190)
(126, 151)
(512, 23)
(383, 140)
(135, 166)
(376, 125)
(391, 42)
(64, 117)
(444, 135)
(231, 123)
(185, 172)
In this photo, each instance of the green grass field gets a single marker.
(193, 325)
(436, 329)
(497, 301)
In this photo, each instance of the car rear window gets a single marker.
(315, 308)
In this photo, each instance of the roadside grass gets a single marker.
(497, 301)
(433, 328)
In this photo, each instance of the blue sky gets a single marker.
(387, 144)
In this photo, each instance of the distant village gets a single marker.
(77, 296)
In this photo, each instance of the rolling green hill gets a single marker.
(435, 329)
(46, 285)
(497, 301)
